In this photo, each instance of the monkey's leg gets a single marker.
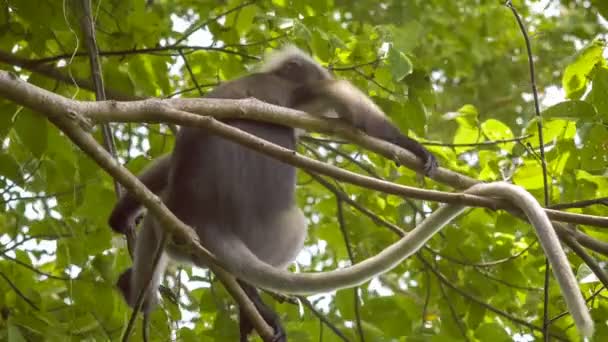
(144, 274)
(271, 317)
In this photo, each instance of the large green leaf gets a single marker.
(598, 97)
(401, 66)
(576, 75)
(32, 129)
(571, 110)
(10, 169)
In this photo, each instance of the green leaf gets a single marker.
(602, 7)
(599, 93)
(468, 111)
(530, 176)
(571, 110)
(492, 332)
(475, 315)
(401, 66)
(141, 71)
(594, 155)
(10, 169)
(497, 130)
(14, 334)
(6, 117)
(412, 116)
(406, 37)
(345, 302)
(575, 77)
(32, 129)
(245, 19)
(466, 132)
(320, 44)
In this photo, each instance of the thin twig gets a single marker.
(18, 292)
(197, 26)
(322, 318)
(539, 128)
(173, 51)
(351, 257)
(587, 259)
(482, 143)
(348, 157)
(146, 289)
(453, 313)
(483, 304)
(580, 204)
(192, 77)
(593, 295)
(54, 73)
(34, 269)
(482, 264)
(88, 29)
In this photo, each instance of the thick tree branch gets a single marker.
(184, 112)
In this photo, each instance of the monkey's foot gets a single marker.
(279, 332)
(272, 319)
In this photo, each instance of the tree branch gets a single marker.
(201, 113)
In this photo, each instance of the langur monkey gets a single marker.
(239, 200)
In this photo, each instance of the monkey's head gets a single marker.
(295, 65)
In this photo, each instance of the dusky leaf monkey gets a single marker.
(241, 202)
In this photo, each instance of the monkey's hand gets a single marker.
(429, 161)
(122, 222)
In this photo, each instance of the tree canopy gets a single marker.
(455, 75)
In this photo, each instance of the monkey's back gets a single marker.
(224, 175)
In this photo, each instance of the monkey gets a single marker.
(238, 199)
(209, 189)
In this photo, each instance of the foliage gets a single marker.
(453, 72)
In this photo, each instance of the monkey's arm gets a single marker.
(350, 104)
(263, 86)
(155, 178)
